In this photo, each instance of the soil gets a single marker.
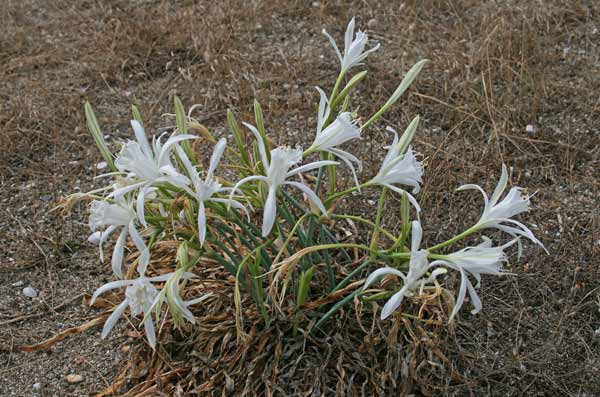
(514, 82)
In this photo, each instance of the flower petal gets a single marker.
(393, 303)
(144, 258)
(462, 292)
(117, 256)
(108, 287)
(201, 223)
(312, 196)
(380, 273)
(113, 318)
(150, 331)
(270, 211)
(500, 187)
(261, 145)
(216, 157)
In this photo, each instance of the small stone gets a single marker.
(74, 378)
(316, 4)
(37, 386)
(45, 197)
(30, 292)
(372, 24)
(101, 165)
(18, 284)
(530, 128)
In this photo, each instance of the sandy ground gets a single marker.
(496, 68)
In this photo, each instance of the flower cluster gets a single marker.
(276, 208)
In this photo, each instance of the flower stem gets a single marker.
(378, 218)
(454, 239)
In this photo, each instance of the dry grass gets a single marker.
(496, 67)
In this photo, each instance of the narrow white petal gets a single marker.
(150, 331)
(324, 110)
(245, 180)
(312, 196)
(261, 145)
(144, 258)
(108, 287)
(201, 223)
(139, 204)
(269, 212)
(380, 273)
(198, 300)
(140, 136)
(310, 167)
(349, 36)
(470, 186)
(113, 318)
(121, 191)
(416, 236)
(117, 256)
(462, 292)
(192, 173)
(411, 199)
(174, 292)
(334, 45)
(393, 303)
(500, 187)
(216, 156)
(173, 140)
(474, 299)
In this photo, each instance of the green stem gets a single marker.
(342, 193)
(378, 218)
(354, 272)
(366, 222)
(454, 239)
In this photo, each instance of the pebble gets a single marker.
(37, 386)
(530, 128)
(18, 284)
(101, 165)
(74, 378)
(30, 292)
(372, 24)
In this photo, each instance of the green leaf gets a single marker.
(304, 286)
(408, 135)
(353, 82)
(94, 128)
(239, 138)
(137, 116)
(181, 120)
(406, 82)
(260, 125)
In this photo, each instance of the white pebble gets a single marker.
(18, 284)
(101, 165)
(530, 128)
(30, 292)
(37, 385)
(74, 378)
(94, 238)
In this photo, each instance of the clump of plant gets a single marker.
(268, 214)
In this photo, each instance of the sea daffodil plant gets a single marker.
(239, 211)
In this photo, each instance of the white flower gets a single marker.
(399, 168)
(204, 190)
(340, 131)
(140, 295)
(478, 260)
(418, 267)
(278, 171)
(354, 47)
(110, 217)
(496, 214)
(146, 166)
